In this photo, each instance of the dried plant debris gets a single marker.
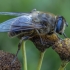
(47, 41)
(62, 47)
(5, 61)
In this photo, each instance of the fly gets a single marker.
(28, 25)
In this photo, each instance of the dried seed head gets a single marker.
(47, 41)
(5, 61)
(62, 47)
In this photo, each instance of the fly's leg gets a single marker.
(64, 35)
(58, 37)
(40, 37)
(19, 46)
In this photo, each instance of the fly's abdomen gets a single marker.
(14, 33)
(20, 33)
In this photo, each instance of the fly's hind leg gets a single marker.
(19, 46)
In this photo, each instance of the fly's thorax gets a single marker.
(20, 33)
(49, 29)
(48, 21)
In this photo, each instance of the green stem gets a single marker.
(24, 56)
(40, 60)
(63, 65)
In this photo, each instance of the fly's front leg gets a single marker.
(64, 35)
(19, 46)
(58, 37)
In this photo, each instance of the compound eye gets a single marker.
(59, 25)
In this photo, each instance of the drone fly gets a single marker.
(27, 25)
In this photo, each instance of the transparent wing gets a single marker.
(12, 13)
(5, 26)
(19, 23)
(24, 23)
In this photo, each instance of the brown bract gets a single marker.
(62, 47)
(5, 62)
(47, 41)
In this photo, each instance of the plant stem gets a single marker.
(63, 65)
(24, 56)
(40, 60)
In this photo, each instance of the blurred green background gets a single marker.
(58, 7)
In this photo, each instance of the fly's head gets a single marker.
(60, 25)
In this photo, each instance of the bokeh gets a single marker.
(58, 7)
